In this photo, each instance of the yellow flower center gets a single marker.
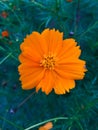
(48, 62)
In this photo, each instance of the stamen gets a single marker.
(48, 62)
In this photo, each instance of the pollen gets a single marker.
(48, 62)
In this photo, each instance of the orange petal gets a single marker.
(70, 75)
(69, 49)
(30, 79)
(53, 39)
(25, 69)
(73, 69)
(32, 61)
(71, 63)
(40, 43)
(48, 125)
(63, 85)
(46, 84)
(31, 54)
(42, 128)
(31, 44)
(72, 53)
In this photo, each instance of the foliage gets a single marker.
(21, 109)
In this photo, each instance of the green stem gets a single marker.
(11, 123)
(89, 29)
(25, 100)
(41, 6)
(38, 4)
(53, 119)
(80, 126)
(6, 58)
(14, 57)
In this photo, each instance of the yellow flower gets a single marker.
(48, 62)
(47, 126)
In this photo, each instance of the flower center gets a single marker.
(48, 62)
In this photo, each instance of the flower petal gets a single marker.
(63, 85)
(53, 39)
(47, 82)
(31, 45)
(48, 125)
(30, 78)
(70, 75)
(71, 68)
(32, 60)
(69, 50)
(42, 128)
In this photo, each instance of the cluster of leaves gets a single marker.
(77, 19)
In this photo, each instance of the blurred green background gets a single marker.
(77, 19)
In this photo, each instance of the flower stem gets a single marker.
(40, 5)
(88, 30)
(11, 123)
(25, 100)
(5, 58)
(52, 119)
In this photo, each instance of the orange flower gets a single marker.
(5, 33)
(49, 62)
(4, 14)
(47, 126)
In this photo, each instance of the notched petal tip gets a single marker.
(45, 31)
